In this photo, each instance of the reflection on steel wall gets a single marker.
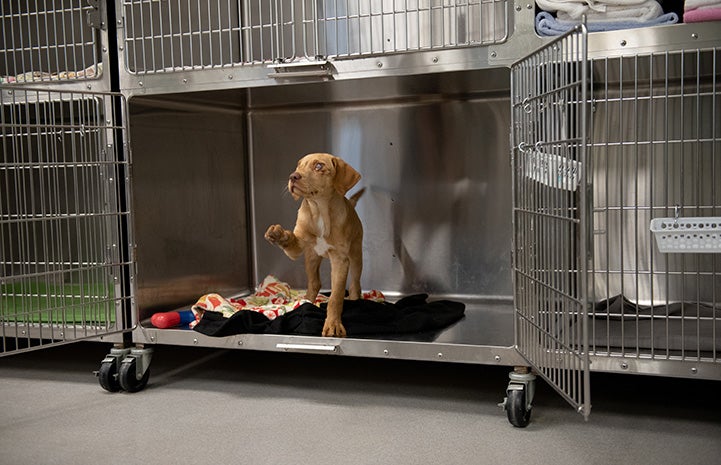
(436, 211)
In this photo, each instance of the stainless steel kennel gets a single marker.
(543, 191)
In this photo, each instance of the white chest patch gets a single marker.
(321, 245)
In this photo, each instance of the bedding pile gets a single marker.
(696, 11)
(41, 76)
(276, 308)
(601, 15)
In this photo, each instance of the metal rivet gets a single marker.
(240, 343)
(624, 365)
(385, 352)
(230, 76)
(518, 7)
(493, 54)
(623, 43)
(140, 83)
(195, 341)
(435, 59)
(379, 64)
(694, 370)
(529, 6)
(440, 355)
(694, 36)
(497, 358)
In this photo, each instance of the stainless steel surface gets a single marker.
(437, 206)
(169, 47)
(63, 271)
(549, 98)
(436, 211)
(190, 195)
(55, 44)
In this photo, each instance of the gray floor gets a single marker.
(207, 406)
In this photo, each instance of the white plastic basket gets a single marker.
(687, 235)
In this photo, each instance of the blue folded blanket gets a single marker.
(547, 25)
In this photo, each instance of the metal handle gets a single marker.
(307, 347)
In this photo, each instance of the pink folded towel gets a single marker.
(699, 15)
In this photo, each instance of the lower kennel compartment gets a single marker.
(210, 172)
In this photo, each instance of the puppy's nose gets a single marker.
(295, 176)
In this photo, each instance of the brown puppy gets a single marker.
(327, 226)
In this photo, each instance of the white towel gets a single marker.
(603, 10)
(693, 4)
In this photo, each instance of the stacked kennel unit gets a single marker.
(63, 211)
(527, 187)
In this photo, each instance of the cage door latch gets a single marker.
(95, 16)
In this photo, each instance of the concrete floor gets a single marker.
(206, 406)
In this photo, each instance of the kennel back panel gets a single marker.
(51, 41)
(436, 211)
(63, 272)
(180, 35)
(655, 142)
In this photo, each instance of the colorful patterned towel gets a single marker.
(272, 298)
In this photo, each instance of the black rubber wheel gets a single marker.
(108, 376)
(128, 379)
(518, 414)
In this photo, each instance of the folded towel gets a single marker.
(699, 15)
(547, 25)
(603, 9)
(693, 4)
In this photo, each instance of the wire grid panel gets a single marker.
(655, 146)
(349, 28)
(180, 35)
(62, 210)
(48, 42)
(548, 110)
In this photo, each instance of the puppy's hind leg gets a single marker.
(312, 272)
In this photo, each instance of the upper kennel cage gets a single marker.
(167, 36)
(54, 43)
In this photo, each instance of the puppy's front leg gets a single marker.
(284, 239)
(312, 272)
(333, 326)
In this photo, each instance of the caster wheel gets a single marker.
(129, 382)
(518, 413)
(108, 376)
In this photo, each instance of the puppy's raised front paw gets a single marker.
(333, 328)
(277, 235)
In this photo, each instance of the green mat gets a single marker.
(58, 304)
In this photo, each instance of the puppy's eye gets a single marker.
(319, 166)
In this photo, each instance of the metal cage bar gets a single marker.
(48, 42)
(163, 36)
(549, 105)
(655, 147)
(352, 28)
(64, 274)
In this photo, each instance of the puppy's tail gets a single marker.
(355, 197)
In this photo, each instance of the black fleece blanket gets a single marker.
(413, 314)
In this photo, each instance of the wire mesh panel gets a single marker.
(347, 28)
(656, 159)
(49, 41)
(179, 35)
(549, 178)
(63, 274)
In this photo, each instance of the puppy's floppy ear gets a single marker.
(345, 176)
